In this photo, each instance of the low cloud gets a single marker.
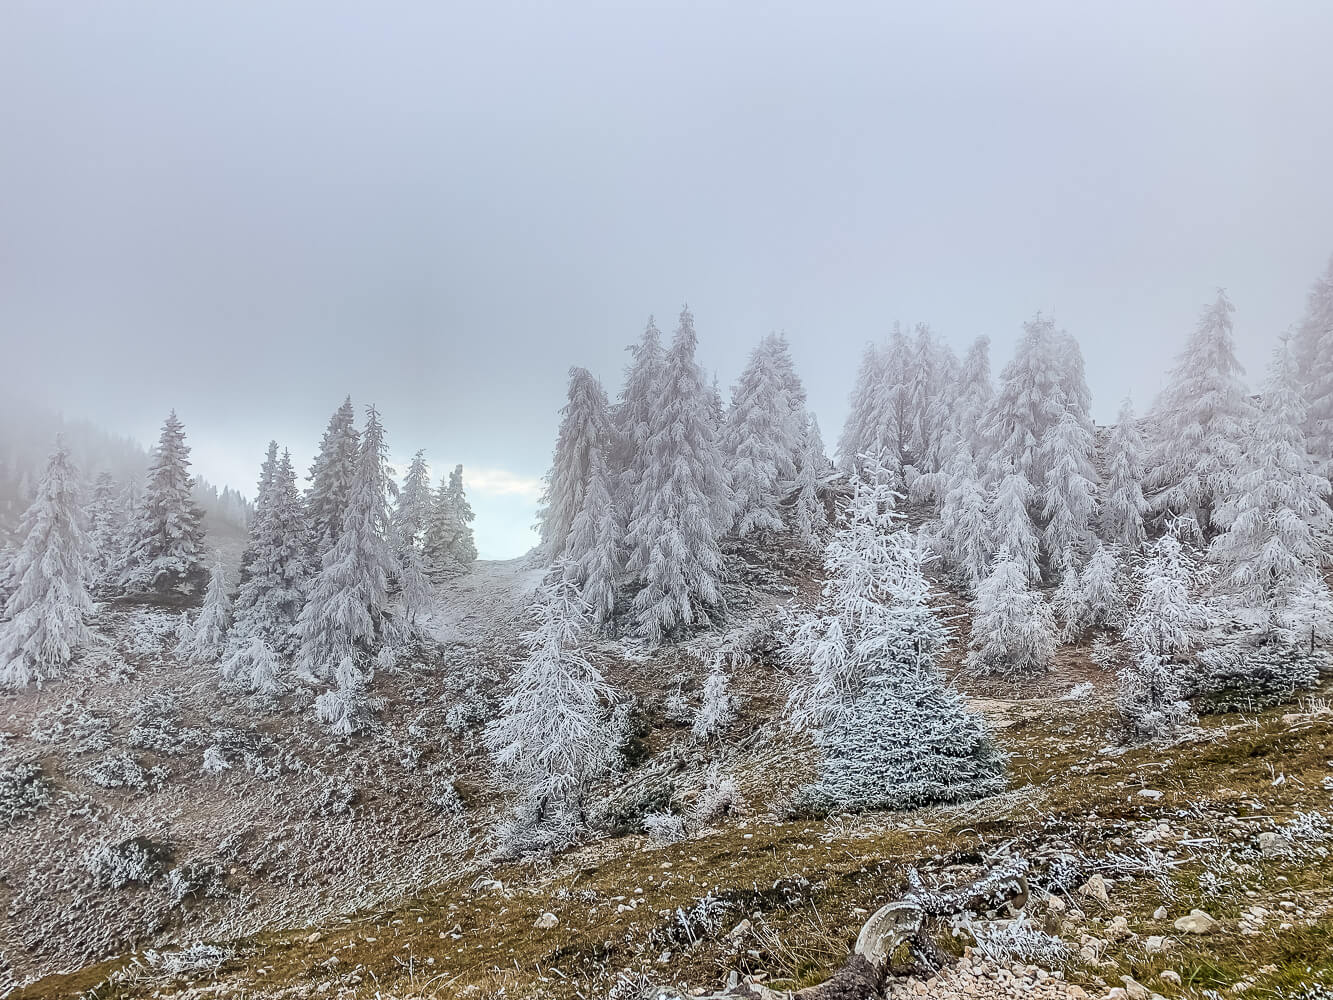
(501, 483)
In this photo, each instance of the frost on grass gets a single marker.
(24, 790)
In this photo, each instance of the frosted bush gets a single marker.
(664, 828)
(445, 798)
(336, 798)
(132, 862)
(718, 798)
(1079, 691)
(678, 709)
(23, 791)
(198, 958)
(120, 770)
(1017, 941)
(214, 761)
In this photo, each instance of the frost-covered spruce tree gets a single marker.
(633, 415)
(1011, 524)
(269, 599)
(1013, 631)
(347, 707)
(1032, 399)
(682, 503)
(593, 552)
(892, 733)
(449, 548)
(343, 609)
(263, 494)
(1122, 504)
(933, 391)
(412, 511)
(1277, 513)
(167, 537)
(860, 431)
(43, 622)
(718, 707)
(250, 664)
(331, 477)
(1199, 422)
(1069, 490)
(975, 393)
(1314, 353)
(552, 738)
(759, 442)
(206, 640)
(1102, 602)
(585, 430)
(1163, 629)
(965, 528)
(105, 529)
(810, 516)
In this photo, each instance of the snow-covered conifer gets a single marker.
(1069, 491)
(1123, 504)
(331, 476)
(207, 637)
(1101, 592)
(593, 552)
(269, 600)
(975, 393)
(449, 546)
(810, 515)
(105, 528)
(893, 734)
(965, 527)
(860, 430)
(43, 621)
(682, 503)
(718, 706)
(249, 663)
(1032, 399)
(633, 415)
(1011, 524)
(1199, 422)
(585, 429)
(1169, 617)
(343, 608)
(1278, 509)
(414, 501)
(759, 441)
(1013, 631)
(1314, 351)
(347, 708)
(552, 738)
(263, 496)
(167, 536)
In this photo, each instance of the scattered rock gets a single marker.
(1118, 929)
(740, 930)
(1155, 944)
(1161, 913)
(1196, 922)
(546, 921)
(313, 937)
(1134, 989)
(1095, 888)
(1273, 845)
(1170, 976)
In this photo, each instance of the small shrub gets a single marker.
(1017, 941)
(196, 880)
(336, 797)
(23, 791)
(664, 828)
(120, 770)
(719, 798)
(130, 862)
(214, 761)
(191, 961)
(445, 798)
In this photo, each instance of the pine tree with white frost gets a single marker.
(347, 708)
(167, 537)
(758, 442)
(1013, 631)
(414, 500)
(682, 504)
(1033, 397)
(1163, 629)
(552, 738)
(593, 552)
(965, 527)
(270, 596)
(975, 393)
(1278, 513)
(1314, 352)
(263, 495)
(892, 733)
(104, 528)
(1123, 505)
(449, 547)
(718, 707)
(331, 478)
(810, 515)
(860, 431)
(343, 610)
(207, 637)
(585, 430)
(1069, 490)
(633, 416)
(1102, 601)
(44, 617)
(1199, 422)
(1011, 524)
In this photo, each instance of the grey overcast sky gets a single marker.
(247, 210)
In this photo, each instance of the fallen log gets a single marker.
(911, 921)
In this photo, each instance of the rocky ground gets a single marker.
(332, 869)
